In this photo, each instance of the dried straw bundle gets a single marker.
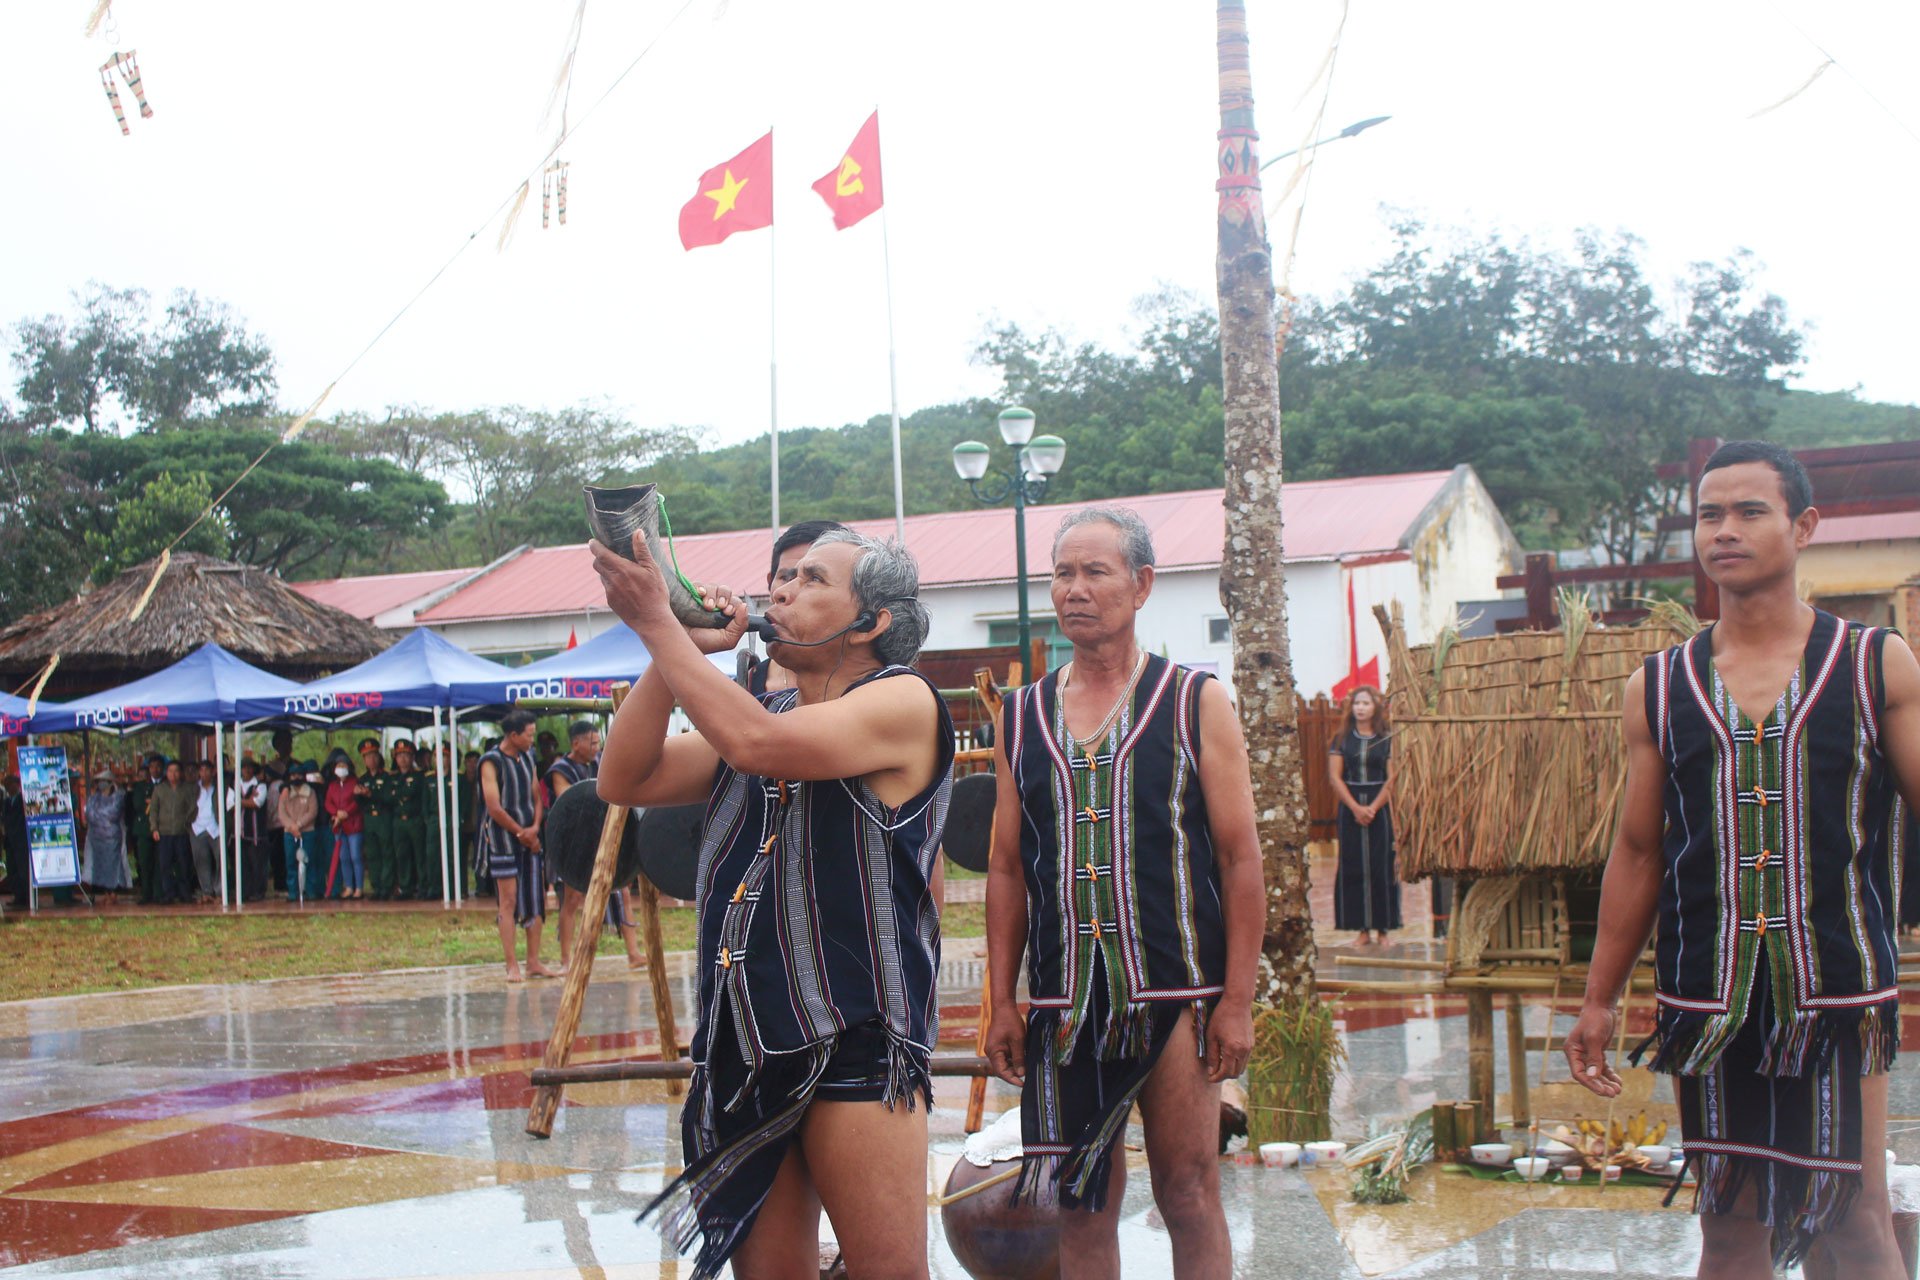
(1507, 749)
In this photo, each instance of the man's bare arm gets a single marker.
(641, 764)
(1900, 730)
(1006, 914)
(1226, 781)
(1629, 898)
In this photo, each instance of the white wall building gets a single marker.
(1428, 540)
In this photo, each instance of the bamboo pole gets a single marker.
(1517, 1062)
(566, 1024)
(1387, 962)
(1480, 1058)
(940, 1064)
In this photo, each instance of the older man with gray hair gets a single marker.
(1126, 865)
(819, 932)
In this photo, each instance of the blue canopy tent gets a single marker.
(204, 688)
(13, 715)
(583, 671)
(419, 674)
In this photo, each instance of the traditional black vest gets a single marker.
(1782, 848)
(1129, 872)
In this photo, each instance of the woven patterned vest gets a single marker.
(1129, 870)
(1782, 848)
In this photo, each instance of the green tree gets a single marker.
(114, 367)
(149, 521)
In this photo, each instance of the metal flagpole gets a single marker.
(773, 375)
(893, 387)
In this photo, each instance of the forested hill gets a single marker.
(1564, 378)
(847, 472)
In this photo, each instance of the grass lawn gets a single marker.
(54, 956)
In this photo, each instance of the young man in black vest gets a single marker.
(1766, 761)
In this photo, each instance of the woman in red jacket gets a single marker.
(343, 809)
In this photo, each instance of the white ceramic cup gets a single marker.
(1532, 1168)
(1572, 1173)
(1676, 1167)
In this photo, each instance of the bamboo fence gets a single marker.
(1507, 749)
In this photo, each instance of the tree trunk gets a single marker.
(1252, 573)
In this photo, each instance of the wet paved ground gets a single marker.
(372, 1127)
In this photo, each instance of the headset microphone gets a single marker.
(764, 629)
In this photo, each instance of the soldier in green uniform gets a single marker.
(376, 808)
(411, 823)
(140, 826)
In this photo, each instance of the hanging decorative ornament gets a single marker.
(125, 63)
(129, 70)
(553, 193)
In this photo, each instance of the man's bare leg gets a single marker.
(569, 921)
(785, 1241)
(1090, 1241)
(1863, 1245)
(533, 952)
(869, 1166)
(1181, 1111)
(503, 900)
(1733, 1246)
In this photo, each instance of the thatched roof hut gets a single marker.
(1508, 752)
(247, 610)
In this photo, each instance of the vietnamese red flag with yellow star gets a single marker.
(852, 190)
(735, 196)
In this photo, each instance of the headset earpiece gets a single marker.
(865, 622)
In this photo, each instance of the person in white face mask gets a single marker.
(343, 812)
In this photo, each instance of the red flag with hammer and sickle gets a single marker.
(852, 189)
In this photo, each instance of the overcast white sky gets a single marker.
(1046, 161)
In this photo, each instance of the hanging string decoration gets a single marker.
(553, 193)
(129, 70)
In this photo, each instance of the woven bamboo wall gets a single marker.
(1507, 749)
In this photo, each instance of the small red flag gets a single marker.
(735, 196)
(573, 639)
(1357, 674)
(852, 190)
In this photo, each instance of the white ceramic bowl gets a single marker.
(1657, 1154)
(1676, 1167)
(1532, 1168)
(1327, 1152)
(1279, 1155)
(1492, 1153)
(1558, 1154)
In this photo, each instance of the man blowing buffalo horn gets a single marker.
(819, 934)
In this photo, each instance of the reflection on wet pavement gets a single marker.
(372, 1127)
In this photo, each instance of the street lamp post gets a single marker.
(1036, 460)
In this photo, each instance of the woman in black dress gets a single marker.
(1366, 893)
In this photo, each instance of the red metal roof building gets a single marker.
(1428, 539)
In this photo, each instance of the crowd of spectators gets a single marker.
(149, 829)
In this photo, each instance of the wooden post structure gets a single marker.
(1517, 1061)
(977, 1090)
(566, 1024)
(1480, 1059)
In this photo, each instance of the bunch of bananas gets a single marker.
(1600, 1143)
(1637, 1132)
